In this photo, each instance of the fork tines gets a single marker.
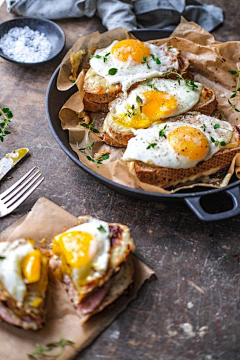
(18, 192)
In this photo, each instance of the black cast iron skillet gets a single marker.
(194, 198)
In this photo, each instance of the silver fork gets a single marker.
(18, 192)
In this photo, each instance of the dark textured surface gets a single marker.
(196, 264)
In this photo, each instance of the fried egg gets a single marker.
(84, 251)
(152, 101)
(182, 142)
(20, 264)
(129, 61)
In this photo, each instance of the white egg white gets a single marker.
(163, 154)
(11, 266)
(99, 231)
(130, 72)
(185, 96)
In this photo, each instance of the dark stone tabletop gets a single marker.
(192, 309)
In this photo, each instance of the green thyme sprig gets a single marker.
(152, 86)
(101, 229)
(236, 92)
(43, 352)
(5, 118)
(90, 127)
(151, 146)
(131, 112)
(156, 59)
(145, 62)
(217, 142)
(99, 161)
(162, 132)
(104, 57)
(189, 83)
(87, 147)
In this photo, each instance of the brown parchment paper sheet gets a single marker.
(211, 60)
(43, 221)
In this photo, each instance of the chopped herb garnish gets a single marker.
(151, 145)
(5, 118)
(139, 100)
(95, 56)
(99, 161)
(203, 127)
(88, 146)
(189, 83)
(42, 352)
(90, 127)
(157, 60)
(101, 228)
(236, 91)
(217, 142)
(145, 62)
(73, 81)
(112, 71)
(162, 132)
(216, 126)
(2, 257)
(152, 86)
(130, 113)
(105, 57)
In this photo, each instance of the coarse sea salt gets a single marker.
(26, 45)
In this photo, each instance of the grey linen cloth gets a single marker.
(131, 14)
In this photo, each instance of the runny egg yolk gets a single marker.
(130, 47)
(32, 267)
(158, 105)
(75, 246)
(189, 142)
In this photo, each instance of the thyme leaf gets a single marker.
(42, 352)
(162, 132)
(235, 92)
(151, 146)
(101, 228)
(112, 71)
(203, 127)
(145, 61)
(99, 161)
(5, 118)
(90, 127)
(88, 146)
(2, 257)
(156, 59)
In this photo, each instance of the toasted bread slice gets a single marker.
(165, 177)
(98, 90)
(92, 106)
(117, 135)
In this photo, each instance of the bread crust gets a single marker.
(165, 177)
(207, 105)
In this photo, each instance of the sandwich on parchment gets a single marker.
(23, 284)
(151, 101)
(182, 149)
(93, 262)
(120, 66)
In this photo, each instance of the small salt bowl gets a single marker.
(53, 35)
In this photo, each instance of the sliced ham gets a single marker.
(27, 322)
(90, 302)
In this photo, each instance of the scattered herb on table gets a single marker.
(43, 352)
(236, 92)
(5, 118)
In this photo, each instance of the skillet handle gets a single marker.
(195, 205)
